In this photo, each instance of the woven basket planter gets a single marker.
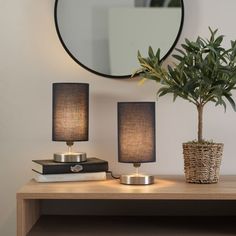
(202, 162)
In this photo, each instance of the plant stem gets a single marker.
(200, 123)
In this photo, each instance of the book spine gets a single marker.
(70, 177)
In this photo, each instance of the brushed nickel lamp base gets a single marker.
(70, 156)
(137, 178)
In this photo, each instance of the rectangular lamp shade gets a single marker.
(136, 132)
(70, 112)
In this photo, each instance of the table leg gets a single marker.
(28, 212)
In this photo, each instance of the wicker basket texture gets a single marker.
(202, 162)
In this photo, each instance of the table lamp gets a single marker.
(70, 118)
(136, 138)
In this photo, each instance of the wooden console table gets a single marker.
(30, 196)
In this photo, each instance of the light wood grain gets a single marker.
(28, 212)
(165, 187)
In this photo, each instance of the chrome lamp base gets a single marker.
(70, 157)
(137, 179)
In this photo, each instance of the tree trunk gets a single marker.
(200, 125)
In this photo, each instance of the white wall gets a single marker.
(31, 58)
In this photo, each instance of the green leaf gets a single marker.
(150, 52)
(181, 51)
(175, 95)
(219, 39)
(231, 101)
(188, 49)
(139, 54)
(162, 91)
(203, 71)
(179, 58)
(158, 54)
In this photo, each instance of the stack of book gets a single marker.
(51, 171)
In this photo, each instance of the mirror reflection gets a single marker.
(104, 36)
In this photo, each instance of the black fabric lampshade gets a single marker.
(70, 112)
(136, 132)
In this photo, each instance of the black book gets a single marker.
(51, 167)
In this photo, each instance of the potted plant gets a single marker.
(205, 72)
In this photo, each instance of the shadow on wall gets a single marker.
(103, 128)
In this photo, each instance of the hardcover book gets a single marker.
(51, 167)
(70, 177)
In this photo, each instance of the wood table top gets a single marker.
(165, 187)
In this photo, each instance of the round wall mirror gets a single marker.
(104, 36)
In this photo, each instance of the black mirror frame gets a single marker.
(106, 75)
